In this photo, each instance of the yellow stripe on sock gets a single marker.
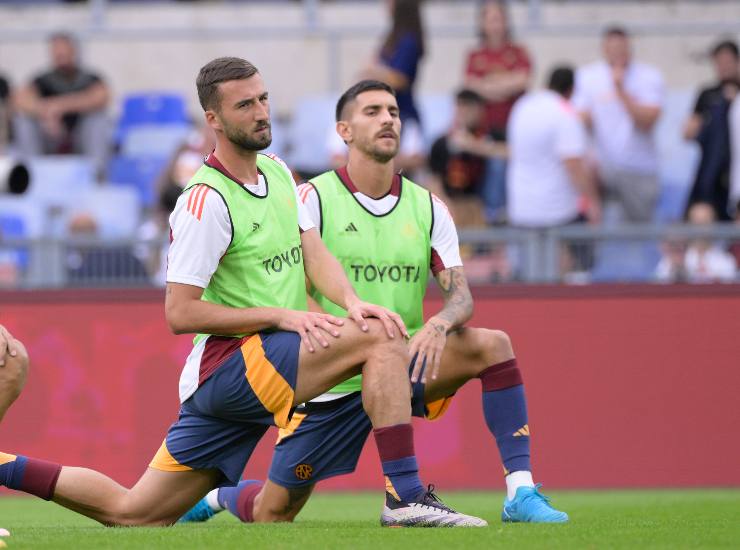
(390, 488)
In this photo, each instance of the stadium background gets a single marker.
(629, 386)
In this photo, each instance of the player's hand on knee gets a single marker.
(427, 345)
(312, 327)
(8, 345)
(358, 311)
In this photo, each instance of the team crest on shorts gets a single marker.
(304, 471)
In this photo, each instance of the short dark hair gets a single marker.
(357, 89)
(469, 96)
(222, 69)
(561, 80)
(615, 30)
(64, 36)
(726, 45)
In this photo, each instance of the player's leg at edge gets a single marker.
(489, 356)
(161, 497)
(13, 373)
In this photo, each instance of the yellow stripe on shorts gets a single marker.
(5, 458)
(291, 428)
(268, 385)
(164, 461)
(437, 408)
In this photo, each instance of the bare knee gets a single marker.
(15, 372)
(492, 347)
(379, 343)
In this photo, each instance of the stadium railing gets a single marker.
(574, 254)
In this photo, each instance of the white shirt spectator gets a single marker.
(543, 130)
(734, 122)
(619, 144)
(701, 266)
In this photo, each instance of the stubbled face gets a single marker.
(63, 54)
(244, 113)
(493, 22)
(726, 65)
(372, 125)
(617, 50)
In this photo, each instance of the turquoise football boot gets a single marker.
(198, 513)
(531, 506)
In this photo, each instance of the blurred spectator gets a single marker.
(548, 178)
(458, 160)
(152, 251)
(62, 110)
(89, 264)
(548, 181)
(153, 246)
(702, 261)
(620, 100)
(397, 65)
(188, 158)
(709, 126)
(499, 70)
(4, 114)
(734, 132)
(735, 246)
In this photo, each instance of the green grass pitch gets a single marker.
(599, 519)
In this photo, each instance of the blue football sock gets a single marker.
(11, 470)
(396, 449)
(506, 415)
(239, 500)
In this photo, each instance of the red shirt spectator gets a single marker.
(499, 70)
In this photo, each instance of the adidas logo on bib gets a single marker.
(350, 227)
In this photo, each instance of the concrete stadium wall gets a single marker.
(161, 46)
(627, 387)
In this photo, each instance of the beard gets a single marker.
(380, 154)
(249, 142)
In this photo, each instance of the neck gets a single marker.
(495, 42)
(371, 177)
(240, 163)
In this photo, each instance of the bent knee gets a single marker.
(492, 346)
(15, 371)
(378, 338)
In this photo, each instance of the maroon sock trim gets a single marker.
(501, 376)
(245, 502)
(395, 442)
(40, 478)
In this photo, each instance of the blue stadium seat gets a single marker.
(153, 140)
(13, 226)
(58, 180)
(313, 119)
(20, 217)
(151, 108)
(117, 211)
(140, 173)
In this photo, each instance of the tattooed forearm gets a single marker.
(458, 306)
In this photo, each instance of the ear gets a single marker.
(344, 131)
(213, 120)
